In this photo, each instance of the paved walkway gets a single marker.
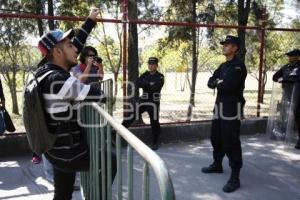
(269, 172)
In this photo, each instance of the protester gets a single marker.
(61, 94)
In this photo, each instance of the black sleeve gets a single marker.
(212, 80)
(84, 31)
(141, 82)
(278, 75)
(292, 77)
(233, 79)
(1, 92)
(157, 85)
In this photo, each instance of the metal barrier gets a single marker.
(97, 182)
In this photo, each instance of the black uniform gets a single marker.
(2, 98)
(290, 74)
(229, 104)
(149, 101)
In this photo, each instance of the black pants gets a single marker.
(297, 120)
(225, 134)
(153, 110)
(64, 181)
(63, 184)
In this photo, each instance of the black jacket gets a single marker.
(290, 74)
(233, 73)
(151, 85)
(1, 92)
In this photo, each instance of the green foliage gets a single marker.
(12, 40)
(72, 8)
(113, 51)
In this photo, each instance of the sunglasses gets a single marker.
(91, 55)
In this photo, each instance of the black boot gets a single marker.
(154, 146)
(298, 144)
(213, 168)
(234, 182)
(155, 143)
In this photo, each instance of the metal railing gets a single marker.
(97, 182)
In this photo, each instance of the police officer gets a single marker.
(229, 80)
(288, 75)
(151, 82)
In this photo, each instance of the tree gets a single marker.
(11, 45)
(178, 11)
(51, 13)
(111, 51)
(243, 15)
(37, 7)
(133, 56)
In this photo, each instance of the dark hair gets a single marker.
(50, 56)
(85, 52)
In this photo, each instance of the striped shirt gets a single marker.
(62, 95)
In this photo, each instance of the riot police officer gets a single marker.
(288, 75)
(151, 82)
(229, 80)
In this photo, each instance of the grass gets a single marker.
(174, 101)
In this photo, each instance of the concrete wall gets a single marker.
(15, 144)
(196, 131)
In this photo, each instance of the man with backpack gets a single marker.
(61, 95)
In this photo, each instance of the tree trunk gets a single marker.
(195, 65)
(133, 62)
(39, 10)
(15, 107)
(243, 15)
(51, 13)
(12, 84)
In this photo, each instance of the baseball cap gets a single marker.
(50, 39)
(152, 60)
(231, 40)
(294, 52)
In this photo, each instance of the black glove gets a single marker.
(212, 83)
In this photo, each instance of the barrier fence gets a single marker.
(97, 182)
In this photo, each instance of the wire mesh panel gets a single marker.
(96, 183)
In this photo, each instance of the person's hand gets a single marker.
(90, 61)
(94, 13)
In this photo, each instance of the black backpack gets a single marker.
(39, 138)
